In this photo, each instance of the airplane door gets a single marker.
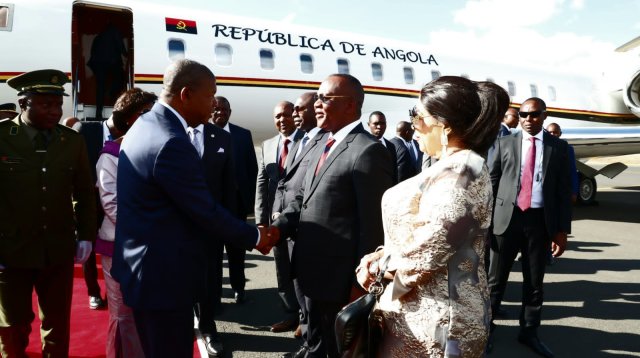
(101, 58)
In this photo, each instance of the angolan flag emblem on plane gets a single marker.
(180, 25)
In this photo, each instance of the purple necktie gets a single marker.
(526, 183)
(324, 155)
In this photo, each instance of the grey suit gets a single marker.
(338, 220)
(268, 176)
(529, 231)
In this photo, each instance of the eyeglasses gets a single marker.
(534, 114)
(326, 99)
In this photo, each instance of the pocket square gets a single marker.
(221, 150)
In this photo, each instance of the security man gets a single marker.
(46, 197)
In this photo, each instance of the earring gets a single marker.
(444, 140)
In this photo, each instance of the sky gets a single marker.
(576, 35)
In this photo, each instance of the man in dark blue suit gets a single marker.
(246, 172)
(166, 212)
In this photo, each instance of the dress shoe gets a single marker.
(284, 326)
(239, 296)
(500, 313)
(96, 302)
(301, 353)
(213, 345)
(533, 342)
(298, 332)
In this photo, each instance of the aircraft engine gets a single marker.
(632, 94)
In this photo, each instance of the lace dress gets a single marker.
(435, 226)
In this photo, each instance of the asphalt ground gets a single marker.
(592, 293)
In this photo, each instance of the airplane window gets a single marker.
(376, 71)
(6, 17)
(224, 54)
(306, 63)
(512, 88)
(408, 75)
(343, 66)
(464, 75)
(266, 60)
(435, 75)
(552, 93)
(176, 49)
(534, 90)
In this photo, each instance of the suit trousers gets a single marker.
(527, 234)
(210, 301)
(54, 287)
(165, 333)
(321, 333)
(90, 271)
(285, 281)
(235, 258)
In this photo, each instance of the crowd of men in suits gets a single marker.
(188, 179)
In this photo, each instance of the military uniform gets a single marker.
(46, 195)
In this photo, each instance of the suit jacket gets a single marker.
(165, 212)
(38, 218)
(219, 171)
(391, 148)
(295, 172)
(556, 188)
(503, 131)
(337, 214)
(92, 131)
(406, 169)
(246, 168)
(269, 175)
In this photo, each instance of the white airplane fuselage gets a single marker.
(259, 63)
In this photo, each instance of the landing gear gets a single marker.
(587, 189)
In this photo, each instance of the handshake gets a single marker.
(269, 237)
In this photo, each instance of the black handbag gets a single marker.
(358, 328)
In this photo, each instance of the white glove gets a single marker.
(83, 250)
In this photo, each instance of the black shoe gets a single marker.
(239, 296)
(500, 313)
(301, 353)
(213, 345)
(533, 342)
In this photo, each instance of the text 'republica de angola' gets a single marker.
(282, 39)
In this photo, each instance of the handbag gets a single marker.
(358, 327)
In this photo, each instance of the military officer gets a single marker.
(43, 170)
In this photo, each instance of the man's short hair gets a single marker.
(537, 100)
(185, 73)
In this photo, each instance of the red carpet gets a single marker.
(88, 327)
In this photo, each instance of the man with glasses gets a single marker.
(530, 178)
(337, 212)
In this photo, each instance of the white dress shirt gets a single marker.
(340, 135)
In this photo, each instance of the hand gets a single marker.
(269, 237)
(83, 250)
(559, 244)
(367, 270)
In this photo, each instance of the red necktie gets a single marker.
(324, 155)
(526, 183)
(283, 155)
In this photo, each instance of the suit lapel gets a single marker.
(334, 155)
(297, 141)
(546, 155)
(312, 143)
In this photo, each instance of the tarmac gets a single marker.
(592, 292)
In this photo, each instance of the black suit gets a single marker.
(288, 187)
(246, 169)
(338, 220)
(93, 133)
(219, 175)
(406, 165)
(391, 148)
(530, 231)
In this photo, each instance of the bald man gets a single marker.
(166, 212)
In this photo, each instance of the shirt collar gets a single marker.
(538, 136)
(182, 121)
(199, 127)
(312, 132)
(226, 128)
(342, 133)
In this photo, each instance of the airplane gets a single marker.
(259, 63)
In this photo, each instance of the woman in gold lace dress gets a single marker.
(437, 304)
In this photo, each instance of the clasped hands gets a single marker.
(269, 237)
(367, 270)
